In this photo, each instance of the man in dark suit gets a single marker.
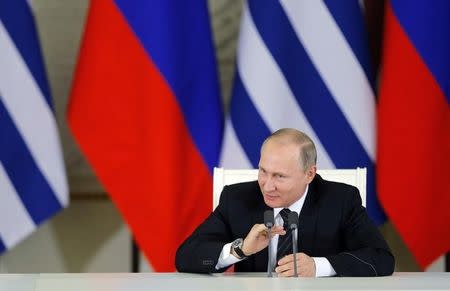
(335, 234)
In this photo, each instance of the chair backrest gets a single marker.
(222, 177)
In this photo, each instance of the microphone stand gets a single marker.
(269, 264)
(293, 225)
(294, 248)
(269, 222)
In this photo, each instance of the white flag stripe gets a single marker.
(268, 89)
(233, 156)
(30, 4)
(32, 115)
(15, 222)
(338, 66)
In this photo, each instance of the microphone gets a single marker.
(293, 225)
(269, 222)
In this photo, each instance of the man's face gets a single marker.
(281, 178)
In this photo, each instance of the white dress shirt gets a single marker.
(323, 266)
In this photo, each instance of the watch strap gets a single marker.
(240, 253)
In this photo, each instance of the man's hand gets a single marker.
(306, 267)
(258, 238)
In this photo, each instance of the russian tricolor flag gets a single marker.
(145, 109)
(414, 125)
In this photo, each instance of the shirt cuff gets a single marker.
(323, 267)
(226, 258)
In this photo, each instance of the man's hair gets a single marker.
(308, 153)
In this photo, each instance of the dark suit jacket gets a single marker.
(332, 224)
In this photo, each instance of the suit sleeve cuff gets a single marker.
(323, 267)
(226, 258)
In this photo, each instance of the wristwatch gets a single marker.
(236, 245)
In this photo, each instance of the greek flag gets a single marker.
(33, 183)
(304, 64)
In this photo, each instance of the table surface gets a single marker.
(236, 281)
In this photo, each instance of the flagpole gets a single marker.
(134, 256)
(447, 262)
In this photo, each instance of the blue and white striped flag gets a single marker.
(33, 183)
(304, 64)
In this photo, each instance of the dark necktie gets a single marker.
(284, 247)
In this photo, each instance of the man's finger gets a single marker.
(280, 232)
(287, 273)
(286, 270)
(283, 268)
(286, 259)
(257, 229)
(277, 228)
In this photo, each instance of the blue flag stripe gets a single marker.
(186, 65)
(250, 129)
(19, 22)
(310, 92)
(373, 205)
(2, 246)
(31, 186)
(418, 21)
(351, 23)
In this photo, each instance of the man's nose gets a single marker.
(269, 185)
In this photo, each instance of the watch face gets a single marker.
(237, 243)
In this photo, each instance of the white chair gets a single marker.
(222, 177)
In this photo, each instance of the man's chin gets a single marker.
(272, 202)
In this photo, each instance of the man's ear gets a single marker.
(311, 173)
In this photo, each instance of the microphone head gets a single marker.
(293, 220)
(269, 220)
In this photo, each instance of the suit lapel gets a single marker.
(308, 219)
